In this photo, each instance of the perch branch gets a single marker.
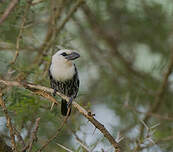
(88, 115)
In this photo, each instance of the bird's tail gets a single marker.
(64, 108)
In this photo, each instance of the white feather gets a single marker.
(62, 69)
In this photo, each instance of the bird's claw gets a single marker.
(70, 103)
(54, 93)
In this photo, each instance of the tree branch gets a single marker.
(19, 37)
(8, 10)
(55, 16)
(88, 115)
(9, 124)
(63, 147)
(56, 134)
(53, 32)
(159, 95)
(82, 143)
(34, 134)
(110, 39)
(4, 147)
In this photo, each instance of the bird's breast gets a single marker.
(61, 72)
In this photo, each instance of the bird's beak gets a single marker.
(72, 56)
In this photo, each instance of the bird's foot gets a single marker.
(54, 93)
(70, 103)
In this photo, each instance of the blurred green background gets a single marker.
(125, 48)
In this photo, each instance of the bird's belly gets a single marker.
(67, 88)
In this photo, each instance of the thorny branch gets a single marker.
(167, 139)
(9, 124)
(159, 95)
(55, 16)
(19, 37)
(82, 143)
(53, 32)
(88, 115)
(56, 134)
(19, 137)
(34, 134)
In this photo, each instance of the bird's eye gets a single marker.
(64, 54)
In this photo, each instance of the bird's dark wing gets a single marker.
(73, 85)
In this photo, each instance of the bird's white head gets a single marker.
(66, 55)
(62, 67)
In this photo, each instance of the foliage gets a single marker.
(126, 55)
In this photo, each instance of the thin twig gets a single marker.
(160, 94)
(69, 15)
(56, 134)
(19, 137)
(55, 16)
(49, 140)
(162, 117)
(82, 143)
(37, 2)
(110, 39)
(49, 41)
(34, 134)
(8, 10)
(29, 129)
(4, 147)
(166, 139)
(67, 149)
(9, 124)
(19, 37)
(86, 114)
(33, 137)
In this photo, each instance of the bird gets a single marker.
(64, 78)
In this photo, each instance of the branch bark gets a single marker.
(8, 10)
(19, 37)
(88, 115)
(54, 32)
(9, 124)
(34, 134)
(4, 147)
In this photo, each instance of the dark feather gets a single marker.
(69, 88)
(64, 108)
